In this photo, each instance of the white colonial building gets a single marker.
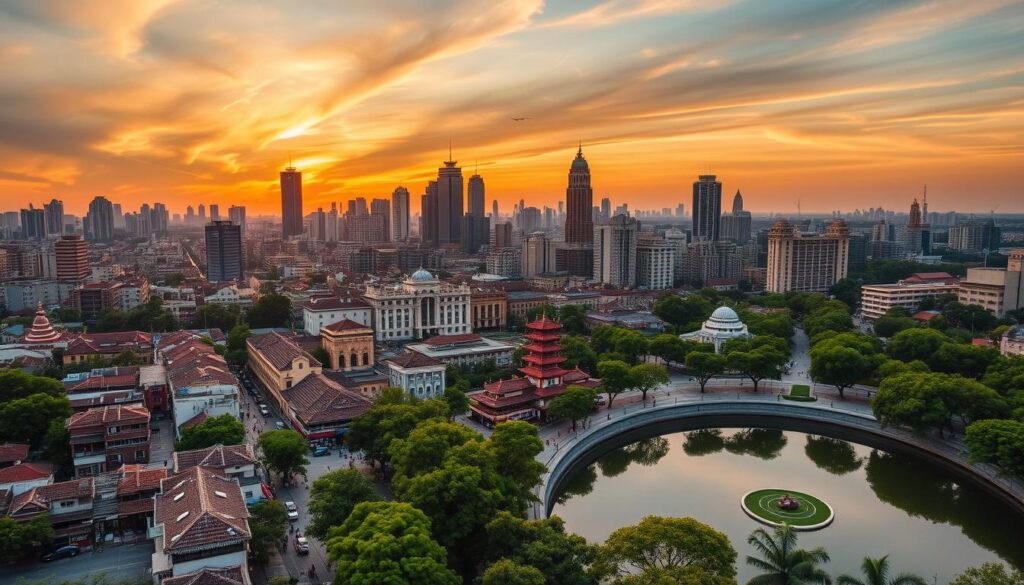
(723, 325)
(421, 306)
(417, 374)
(319, 312)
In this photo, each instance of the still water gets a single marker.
(928, 519)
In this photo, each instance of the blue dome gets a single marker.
(422, 275)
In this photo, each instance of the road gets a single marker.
(118, 561)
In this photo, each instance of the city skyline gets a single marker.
(843, 106)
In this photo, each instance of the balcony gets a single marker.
(89, 458)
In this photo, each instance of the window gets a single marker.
(140, 455)
(65, 503)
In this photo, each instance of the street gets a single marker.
(117, 561)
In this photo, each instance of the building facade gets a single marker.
(105, 438)
(349, 345)
(655, 263)
(400, 214)
(72, 258)
(806, 262)
(224, 260)
(291, 202)
(320, 312)
(420, 376)
(421, 306)
(579, 200)
(615, 251)
(877, 299)
(707, 207)
(489, 309)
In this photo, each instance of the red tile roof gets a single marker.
(209, 576)
(334, 303)
(195, 420)
(107, 343)
(199, 510)
(217, 457)
(412, 359)
(118, 413)
(132, 507)
(439, 340)
(279, 350)
(100, 382)
(136, 478)
(10, 452)
(346, 325)
(25, 472)
(318, 400)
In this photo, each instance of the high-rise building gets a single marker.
(501, 235)
(318, 225)
(449, 202)
(428, 215)
(236, 215)
(494, 210)
(382, 209)
(615, 251)
(655, 263)
(606, 208)
(400, 214)
(214, 212)
(917, 237)
(72, 258)
(680, 210)
(160, 218)
(33, 223)
(224, 251)
(291, 202)
(737, 202)
(53, 213)
(538, 254)
(805, 262)
(202, 213)
(579, 198)
(707, 207)
(99, 222)
(974, 236)
(475, 196)
(118, 217)
(736, 226)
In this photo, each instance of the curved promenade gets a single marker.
(679, 408)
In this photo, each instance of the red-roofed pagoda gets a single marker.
(41, 332)
(543, 378)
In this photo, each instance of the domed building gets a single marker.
(420, 306)
(723, 324)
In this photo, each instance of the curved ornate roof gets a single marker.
(421, 275)
(724, 314)
(41, 331)
(579, 163)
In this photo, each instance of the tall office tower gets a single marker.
(291, 202)
(72, 258)
(737, 202)
(428, 215)
(538, 254)
(579, 198)
(236, 215)
(214, 212)
(223, 251)
(449, 202)
(118, 217)
(332, 223)
(357, 206)
(475, 196)
(656, 258)
(918, 232)
(318, 225)
(529, 219)
(53, 213)
(160, 218)
(736, 226)
(400, 214)
(145, 221)
(806, 262)
(706, 208)
(33, 223)
(190, 215)
(494, 210)
(606, 208)
(202, 213)
(615, 251)
(680, 210)
(99, 222)
(382, 209)
(501, 236)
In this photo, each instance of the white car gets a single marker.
(301, 545)
(264, 410)
(293, 511)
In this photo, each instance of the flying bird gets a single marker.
(520, 119)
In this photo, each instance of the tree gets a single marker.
(515, 445)
(237, 336)
(846, 290)
(683, 314)
(546, 309)
(388, 542)
(647, 377)
(219, 430)
(892, 322)
(373, 431)
(457, 401)
(831, 316)
(844, 359)
(223, 317)
(631, 344)
(271, 310)
(562, 557)
(876, 572)
(703, 366)
(427, 445)
(573, 319)
(574, 404)
(833, 455)
(972, 317)
(333, 497)
(15, 383)
(27, 420)
(998, 442)
(19, 539)
(970, 361)
(758, 364)
(989, 574)
(284, 451)
(506, 572)
(577, 352)
(268, 521)
(321, 355)
(916, 344)
(1004, 375)
(615, 378)
(782, 562)
(660, 543)
(669, 348)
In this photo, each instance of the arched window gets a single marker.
(355, 360)
(366, 359)
(341, 360)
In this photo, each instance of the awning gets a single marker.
(322, 435)
(266, 491)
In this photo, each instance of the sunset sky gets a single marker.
(837, 103)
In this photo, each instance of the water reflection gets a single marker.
(835, 456)
(764, 444)
(646, 452)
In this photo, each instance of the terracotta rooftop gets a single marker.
(412, 359)
(128, 380)
(42, 496)
(216, 457)
(318, 400)
(200, 509)
(334, 303)
(25, 472)
(195, 420)
(90, 343)
(137, 478)
(13, 452)
(279, 350)
(209, 576)
(346, 325)
(118, 413)
(439, 340)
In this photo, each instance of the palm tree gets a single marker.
(876, 572)
(782, 562)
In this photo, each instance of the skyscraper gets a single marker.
(33, 223)
(737, 202)
(72, 258)
(538, 254)
(476, 228)
(202, 213)
(475, 191)
(53, 213)
(223, 251)
(579, 198)
(736, 226)
(606, 208)
(400, 214)
(99, 222)
(707, 207)
(449, 202)
(291, 202)
(428, 215)
(494, 210)
(214, 212)
(382, 209)
(615, 261)
(236, 214)
(806, 263)
(160, 218)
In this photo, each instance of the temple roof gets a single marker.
(41, 330)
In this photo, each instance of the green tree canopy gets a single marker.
(916, 344)
(876, 572)
(333, 497)
(1004, 375)
(20, 539)
(271, 310)
(846, 290)
(615, 378)
(970, 361)
(457, 401)
(667, 543)
(507, 572)
(268, 521)
(223, 317)
(685, 314)
(388, 542)
(516, 445)
(703, 366)
(759, 363)
(669, 347)
(998, 442)
(578, 352)
(830, 316)
(647, 377)
(924, 401)
(892, 322)
(562, 557)
(15, 384)
(219, 430)
(284, 452)
(989, 574)
(373, 431)
(845, 359)
(27, 420)
(427, 445)
(574, 404)
(782, 563)
(573, 319)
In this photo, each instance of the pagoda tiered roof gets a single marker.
(544, 360)
(544, 324)
(542, 337)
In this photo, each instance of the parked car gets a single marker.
(264, 410)
(321, 451)
(293, 511)
(599, 400)
(60, 553)
(279, 425)
(301, 544)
